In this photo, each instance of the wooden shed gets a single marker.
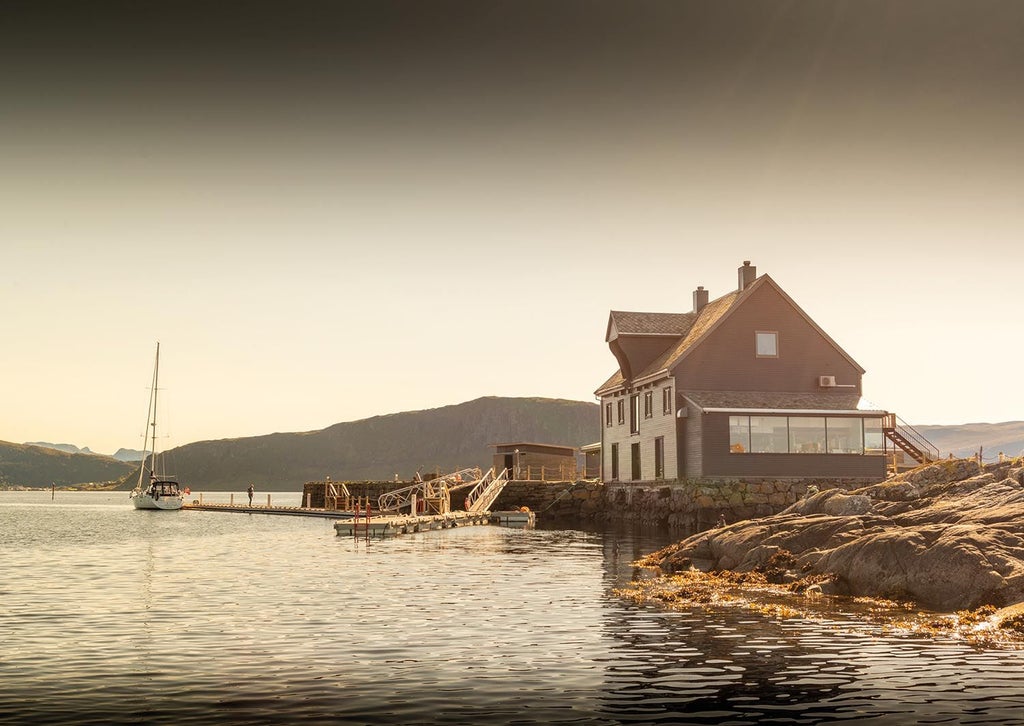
(537, 462)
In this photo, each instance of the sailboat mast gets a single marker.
(156, 377)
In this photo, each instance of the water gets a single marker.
(110, 615)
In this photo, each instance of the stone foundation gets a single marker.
(686, 506)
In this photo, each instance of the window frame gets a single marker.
(666, 400)
(648, 404)
(757, 343)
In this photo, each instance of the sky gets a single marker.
(327, 211)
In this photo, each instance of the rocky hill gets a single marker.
(377, 448)
(40, 466)
(947, 537)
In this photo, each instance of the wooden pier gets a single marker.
(267, 509)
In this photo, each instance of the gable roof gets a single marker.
(702, 324)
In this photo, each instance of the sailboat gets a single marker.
(157, 490)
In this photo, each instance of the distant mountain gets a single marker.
(66, 448)
(967, 439)
(129, 455)
(39, 466)
(377, 448)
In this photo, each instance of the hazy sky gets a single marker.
(327, 211)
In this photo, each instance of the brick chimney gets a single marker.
(747, 273)
(700, 298)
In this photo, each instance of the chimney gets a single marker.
(700, 298)
(747, 274)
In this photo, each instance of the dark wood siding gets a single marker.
(718, 461)
(641, 350)
(727, 361)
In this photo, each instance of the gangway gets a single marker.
(486, 491)
(432, 496)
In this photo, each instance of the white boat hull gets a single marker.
(146, 501)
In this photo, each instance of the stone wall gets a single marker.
(685, 505)
(693, 506)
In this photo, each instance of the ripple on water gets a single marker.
(112, 616)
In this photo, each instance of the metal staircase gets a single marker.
(486, 491)
(908, 439)
(433, 495)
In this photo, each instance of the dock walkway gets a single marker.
(350, 524)
(264, 509)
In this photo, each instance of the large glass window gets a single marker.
(807, 435)
(634, 413)
(769, 434)
(739, 434)
(845, 435)
(874, 439)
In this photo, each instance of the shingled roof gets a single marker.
(780, 401)
(629, 323)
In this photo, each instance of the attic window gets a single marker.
(767, 344)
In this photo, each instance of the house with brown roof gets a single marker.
(746, 385)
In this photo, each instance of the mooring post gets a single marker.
(268, 501)
(200, 498)
(309, 498)
(232, 499)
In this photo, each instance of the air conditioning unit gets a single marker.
(827, 381)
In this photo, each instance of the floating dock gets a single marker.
(356, 524)
(394, 525)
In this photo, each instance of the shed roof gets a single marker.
(832, 401)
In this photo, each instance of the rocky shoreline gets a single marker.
(947, 537)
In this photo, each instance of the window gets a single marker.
(739, 434)
(874, 439)
(634, 453)
(845, 435)
(615, 462)
(659, 457)
(767, 344)
(769, 434)
(807, 435)
(634, 413)
(649, 404)
(622, 411)
(608, 414)
(666, 400)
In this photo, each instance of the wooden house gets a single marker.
(746, 385)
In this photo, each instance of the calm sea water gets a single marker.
(110, 615)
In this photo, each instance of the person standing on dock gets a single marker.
(250, 491)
